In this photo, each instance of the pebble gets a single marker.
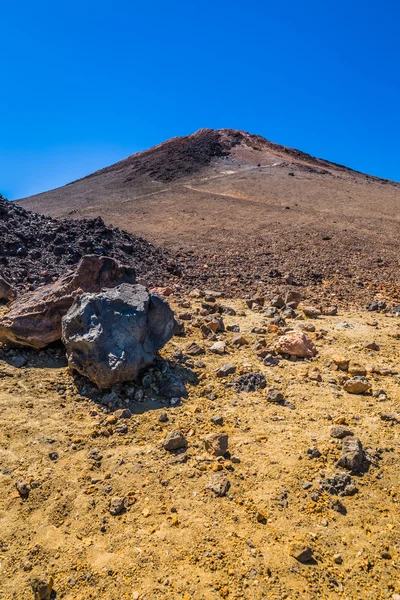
(300, 552)
(352, 455)
(337, 558)
(357, 385)
(219, 485)
(226, 370)
(218, 348)
(175, 440)
(275, 396)
(116, 506)
(216, 444)
(217, 420)
(340, 432)
(42, 587)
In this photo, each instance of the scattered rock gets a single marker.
(216, 444)
(194, 349)
(341, 362)
(339, 484)
(226, 370)
(313, 452)
(392, 418)
(340, 432)
(330, 311)
(296, 343)
(117, 506)
(275, 396)
(300, 552)
(250, 382)
(278, 302)
(175, 440)
(357, 385)
(337, 558)
(111, 336)
(217, 420)
(23, 488)
(260, 301)
(42, 587)
(218, 348)
(293, 298)
(218, 484)
(311, 312)
(352, 456)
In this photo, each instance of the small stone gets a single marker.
(278, 302)
(250, 382)
(123, 413)
(175, 440)
(23, 488)
(219, 485)
(311, 312)
(239, 340)
(218, 348)
(194, 349)
(216, 444)
(117, 505)
(352, 455)
(337, 558)
(293, 298)
(357, 385)
(341, 362)
(95, 454)
(340, 432)
(217, 420)
(313, 452)
(330, 311)
(163, 418)
(226, 370)
(338, 506)
(42, 588)
(300, 552)
(275, 396)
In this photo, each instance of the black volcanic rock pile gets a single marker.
(34, 248)
(180, 156)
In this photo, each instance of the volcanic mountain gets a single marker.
(248, 209)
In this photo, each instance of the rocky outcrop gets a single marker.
(34, 319)
(111, 336)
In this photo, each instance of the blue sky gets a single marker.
(87, 83)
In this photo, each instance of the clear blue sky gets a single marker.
(86, 83)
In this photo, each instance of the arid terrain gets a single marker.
(176, 538)
(257, 457)
(239, 210)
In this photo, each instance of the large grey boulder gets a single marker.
(111, 336)
(34, 319)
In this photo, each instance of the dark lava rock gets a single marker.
(250, 382)
(340, 484)
(34, 249)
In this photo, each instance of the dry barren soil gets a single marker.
(176, 538)
(239, 209)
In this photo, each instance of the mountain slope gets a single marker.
(246, 206)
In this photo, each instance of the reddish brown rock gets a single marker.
(35, 318)
(296, 343)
